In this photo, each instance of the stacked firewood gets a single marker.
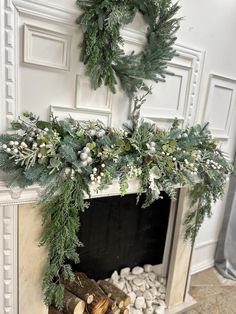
(84, 295)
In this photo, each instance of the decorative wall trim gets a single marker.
(207, 250)
(46, 11)
(61, 42)
(86, 97)
(206, 264)
(221, 95)
(206, 243)
(83, 114)
(9, 111)
(8, 260)
(188, 65)
(9, 50)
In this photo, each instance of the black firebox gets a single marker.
(117, 232)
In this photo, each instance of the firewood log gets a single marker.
(73, 304)
(124, 310)
(53, 310)
(121, 298)
(115, 311)
(83, 287)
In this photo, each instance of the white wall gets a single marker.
(211, 25)
(40, 68)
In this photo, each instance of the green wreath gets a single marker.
(101, 48)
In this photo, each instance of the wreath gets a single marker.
(102, 54)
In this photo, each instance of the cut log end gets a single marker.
(73, 304)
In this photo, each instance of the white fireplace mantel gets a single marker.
(10, 198)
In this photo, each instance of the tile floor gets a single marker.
(214, 294)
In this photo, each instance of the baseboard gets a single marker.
(202, 266)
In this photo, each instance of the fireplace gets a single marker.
(24, 262)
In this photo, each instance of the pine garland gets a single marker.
(102, 54)
(68, 157)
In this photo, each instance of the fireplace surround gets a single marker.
(22, 262)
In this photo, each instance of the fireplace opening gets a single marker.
(117, 232)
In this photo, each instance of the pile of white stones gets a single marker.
(145, 288)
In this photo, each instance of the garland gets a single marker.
(101, 48)
(67, 157)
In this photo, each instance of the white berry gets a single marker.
(84, 163)
(89, 160)
(4, 146)
(83, 156)
(86, 150)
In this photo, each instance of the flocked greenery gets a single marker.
(102, 51)
(69, 158)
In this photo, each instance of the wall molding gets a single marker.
(9, 62)
(32, 33)
(8, 259)
(197, 268)
(188, 60)
(227, 87)
(82, 114)
(199, 251)
(46, 11)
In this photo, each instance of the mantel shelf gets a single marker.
(32, 194)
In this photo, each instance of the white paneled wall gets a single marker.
(40, 72)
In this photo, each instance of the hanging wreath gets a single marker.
(102, 54)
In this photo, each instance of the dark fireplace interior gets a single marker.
(117, 232)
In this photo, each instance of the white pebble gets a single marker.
(153, 291)
(128, 287)
(115, 276)
(149, 310)
(163, 281)
(147, 268)
(135, 311)
(138, 281)
(151, 283)
(152, 276)
(149, 303)
(130, 277)
(140, 303)
(160, 310)
(120, 284)
(124, 272)
(137, 270)
(132, 296)
(147, 295)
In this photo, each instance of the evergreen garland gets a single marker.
(101, 49)
(68, 158)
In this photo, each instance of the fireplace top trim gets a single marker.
(32, 194)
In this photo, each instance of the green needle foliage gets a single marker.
(70, 158)
(102, 51)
